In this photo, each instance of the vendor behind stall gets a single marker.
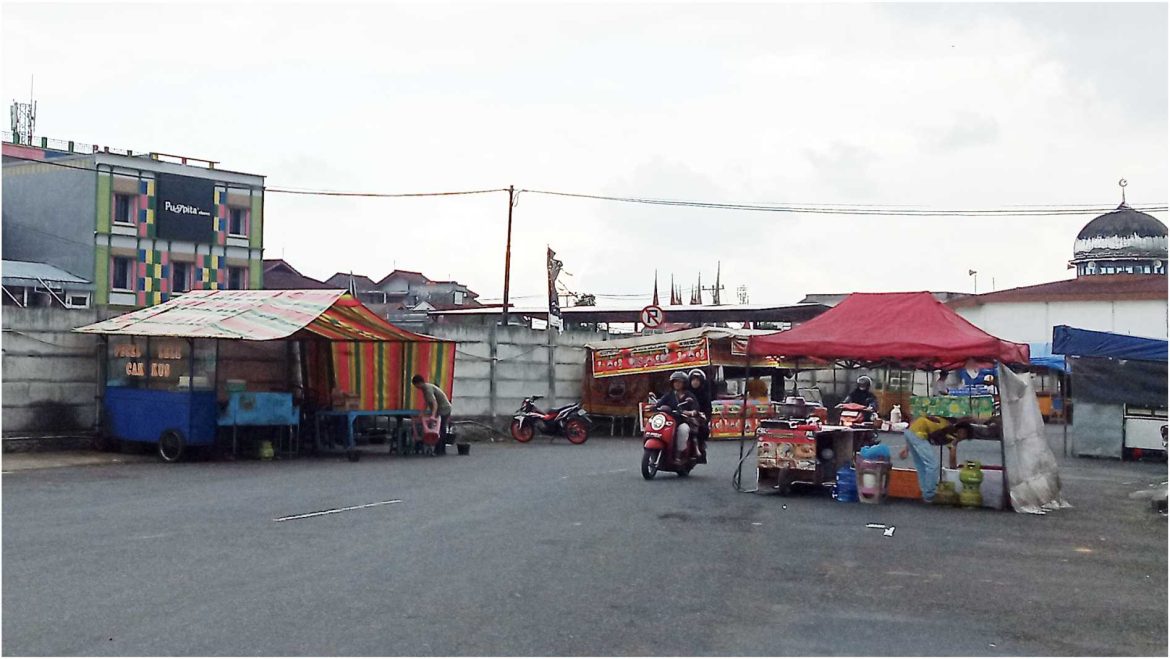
(924, 435)
(862, 394)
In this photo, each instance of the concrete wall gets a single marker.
(1032, 322)
(49, 373)
(521, 367)
(49, 215)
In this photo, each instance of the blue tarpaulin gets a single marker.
(1040, 354)
(1088, 343)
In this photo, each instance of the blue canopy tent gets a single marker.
(1040, 355)
(1120, 383)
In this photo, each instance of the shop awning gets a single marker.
(896, 328)
(258, 316)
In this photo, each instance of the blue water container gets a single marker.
(845, 489)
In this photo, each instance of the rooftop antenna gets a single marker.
(1122, 183)
(24, 118)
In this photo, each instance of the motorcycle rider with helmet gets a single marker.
(701, 389)
(862, 394)
(678, 400)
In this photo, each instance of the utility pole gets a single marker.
(508, 253)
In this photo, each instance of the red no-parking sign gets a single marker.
(652, 316)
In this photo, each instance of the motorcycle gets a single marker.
(570, 421)
(658, 451)
(853, 414)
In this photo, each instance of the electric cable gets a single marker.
(289, 190)
(904, 210)
(1054, 210)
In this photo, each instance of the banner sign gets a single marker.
(184, 208)
(690, 353)
(554, 305)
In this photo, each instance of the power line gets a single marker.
(1029, 210)
(828, 210)
(296, 191)
(332, 193)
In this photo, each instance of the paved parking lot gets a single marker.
(552, 549)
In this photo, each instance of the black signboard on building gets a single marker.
(184, 208)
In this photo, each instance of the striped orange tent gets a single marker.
(350, 348)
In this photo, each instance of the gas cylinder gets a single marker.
(945, 495)
(971, 476)
(266, 452)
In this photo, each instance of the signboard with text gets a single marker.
(691, 353)
(185, 208)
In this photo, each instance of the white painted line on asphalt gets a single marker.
(290, 518)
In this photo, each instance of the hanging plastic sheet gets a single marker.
(1033, 476)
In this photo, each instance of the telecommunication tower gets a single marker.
(24, 119)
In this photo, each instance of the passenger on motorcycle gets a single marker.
(678, 400)
(702, 391)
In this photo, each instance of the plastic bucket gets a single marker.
(464, 449)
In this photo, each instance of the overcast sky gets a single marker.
(943, 106)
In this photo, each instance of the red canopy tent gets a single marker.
(911, 329)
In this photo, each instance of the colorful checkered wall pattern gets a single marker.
(155, 264)
(154, 276)
(146, 208)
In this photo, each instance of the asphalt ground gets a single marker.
(553, 549)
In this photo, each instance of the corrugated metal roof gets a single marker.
(31, 273)
(257, 316)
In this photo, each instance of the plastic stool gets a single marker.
(873, 480)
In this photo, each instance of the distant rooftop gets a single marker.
(59, 148)
(34, 273)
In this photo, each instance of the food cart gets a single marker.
(915, 331)
(199, 367)
(622, 374)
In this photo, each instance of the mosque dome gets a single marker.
(1121, 241)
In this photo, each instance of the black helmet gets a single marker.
(864, 382)
(678, 375)
(698, 373)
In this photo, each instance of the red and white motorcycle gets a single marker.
(658, 452)
(570, 421)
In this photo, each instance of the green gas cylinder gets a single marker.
(945, 495)
(266, 452)
(971, 476)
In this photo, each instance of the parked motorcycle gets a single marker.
(570, 421)
(658, 451)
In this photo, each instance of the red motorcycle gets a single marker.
(570, 421)
(658, 451)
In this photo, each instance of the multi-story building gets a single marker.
(140, 227)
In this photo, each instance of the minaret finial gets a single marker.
(1123, 183)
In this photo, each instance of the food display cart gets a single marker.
(794, 451)
(621, 375)
(913, 331)
(178, 373)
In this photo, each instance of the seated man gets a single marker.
(923, 437)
